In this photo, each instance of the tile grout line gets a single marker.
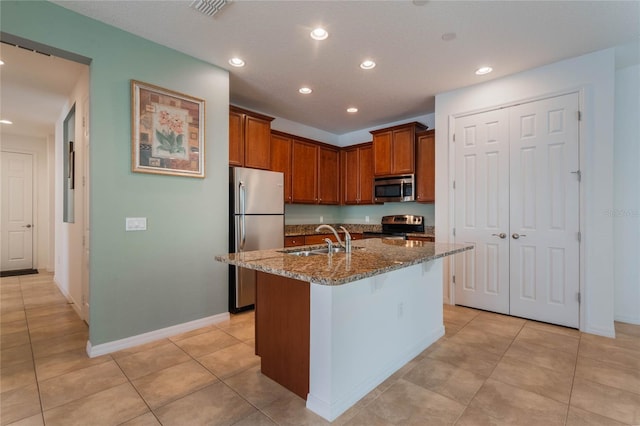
(33, 357)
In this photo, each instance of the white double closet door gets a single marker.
(517, 201)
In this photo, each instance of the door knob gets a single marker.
(501, 235)
(515, 235)
(27, 226)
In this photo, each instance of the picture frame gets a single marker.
(167, 131)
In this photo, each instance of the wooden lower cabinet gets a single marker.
(305, 240)
(282, 330)
(294, 240)
(427, 239)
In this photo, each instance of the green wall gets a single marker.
(142, 281)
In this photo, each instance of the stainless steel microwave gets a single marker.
(394, 189)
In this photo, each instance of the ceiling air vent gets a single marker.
(209, 7)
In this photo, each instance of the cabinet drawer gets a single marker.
(428, 239)
(318, 238)
(295, 240)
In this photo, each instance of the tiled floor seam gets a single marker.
(137, 391)
(33, 357)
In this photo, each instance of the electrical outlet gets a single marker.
(366, 219)
(136, 224)
(321, 219)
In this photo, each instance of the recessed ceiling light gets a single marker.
(483, 70)
(305, 90)
(5, 122)
(236, 62)
(367, 64)
(319, 34)
(352, 109)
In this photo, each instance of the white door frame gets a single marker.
(34, 201)
(583, 162)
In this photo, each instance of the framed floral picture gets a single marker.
(167, 130)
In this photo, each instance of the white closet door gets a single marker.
(544, 210)
(482, 210)
(17, 211)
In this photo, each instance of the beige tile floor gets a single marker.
(488, 370)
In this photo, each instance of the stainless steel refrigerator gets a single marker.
(256, 222)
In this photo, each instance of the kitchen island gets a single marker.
(333, 327)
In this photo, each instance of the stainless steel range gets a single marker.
(398, 226)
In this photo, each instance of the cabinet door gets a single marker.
(236, 139)
(426, 167)
(304, 172)
(365, 171)
(281, 161)
(382, 153)
(403, 145)
(350, 176)
(257, 136)
(328, 176)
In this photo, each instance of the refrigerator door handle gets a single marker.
(243, 195)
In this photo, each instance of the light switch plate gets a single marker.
(136, 224)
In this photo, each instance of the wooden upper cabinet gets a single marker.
(382, 155)
(281, 146)
(304, 172)
(394, 149)
(236, 138)
(328, 175)
(403, 151)
(249, 138)
(366, 174)
(357, 174)
(426, 167)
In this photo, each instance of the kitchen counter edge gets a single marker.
(369, 258)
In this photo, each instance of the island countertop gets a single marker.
(368, 258)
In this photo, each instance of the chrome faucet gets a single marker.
(329, 244)
(347, 237)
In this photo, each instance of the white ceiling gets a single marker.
(403, 37)
(33, 89)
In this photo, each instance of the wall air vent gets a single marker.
(209, 7)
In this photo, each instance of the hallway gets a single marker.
(488, 369)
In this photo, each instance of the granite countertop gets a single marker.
(368, 258)
(310, 229)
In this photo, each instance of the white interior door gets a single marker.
(17, 211)
(517, 200)
(482, 210)
(544, 244)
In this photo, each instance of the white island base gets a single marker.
(364, 331)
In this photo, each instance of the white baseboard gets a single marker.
(600, 331)
(628, 320)
(163, 333)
